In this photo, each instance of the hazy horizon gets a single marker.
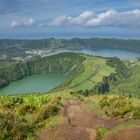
(33, 19)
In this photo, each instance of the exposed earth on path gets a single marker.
(82, 124)
(125, 134)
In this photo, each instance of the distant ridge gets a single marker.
(75, 43)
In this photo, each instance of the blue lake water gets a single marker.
(40, 83)
(102, 52)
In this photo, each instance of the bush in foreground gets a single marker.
(120, 107)
(22, 116)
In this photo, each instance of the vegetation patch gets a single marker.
(22, 116)
(95, 69)
(54, 121)
(101, 133)
(120, 107)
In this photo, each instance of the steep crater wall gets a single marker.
(67, 63)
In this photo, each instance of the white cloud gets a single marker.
(26, 23)
(82, 18)
(107, 18)
(14, 24)
(29, 22)
(60, 20)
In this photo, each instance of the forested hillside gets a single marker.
(75, 43)
(13, 48)
(67, 63)
(130, 85)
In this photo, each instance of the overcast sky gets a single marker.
(69, 18)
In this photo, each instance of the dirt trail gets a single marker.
(125, 134)
(81, 124)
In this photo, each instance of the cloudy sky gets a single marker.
(69, 18)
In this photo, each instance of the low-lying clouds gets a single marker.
(92, 19)
(27, 23)
(89, 19)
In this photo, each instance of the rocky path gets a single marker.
(81, 124)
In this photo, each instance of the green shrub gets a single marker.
(26, 108)
(10, 102)
(136, 114)
(22, 116)
(36, 100)
(118, 106)
(100, 133)
(47, 110)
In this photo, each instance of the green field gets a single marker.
(95, 68)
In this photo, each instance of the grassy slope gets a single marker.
(95, 68)
(21, 117)
(118, 107)
(131, 85)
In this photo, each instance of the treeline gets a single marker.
(68, 63)
(76, 43)
(121, 73)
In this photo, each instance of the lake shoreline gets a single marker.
(34, 84)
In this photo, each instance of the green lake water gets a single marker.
(40, 83)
